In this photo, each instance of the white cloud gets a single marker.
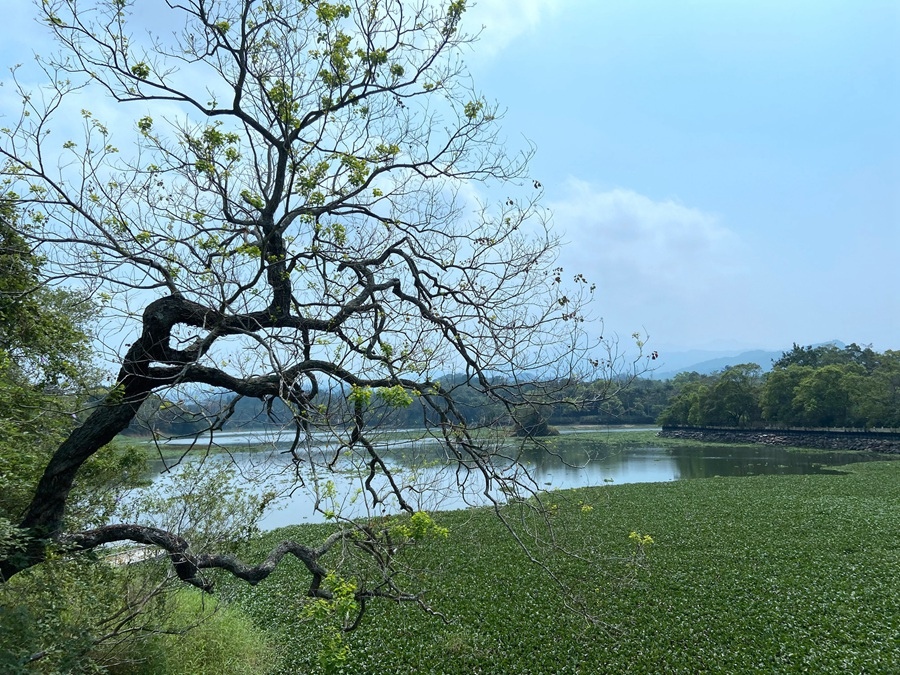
(657, 264)
(504, 20)
(622, 230)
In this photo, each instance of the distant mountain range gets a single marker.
(706, 362)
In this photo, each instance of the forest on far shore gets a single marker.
(822, 386)
(825, 386)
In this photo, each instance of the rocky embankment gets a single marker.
(827, 439)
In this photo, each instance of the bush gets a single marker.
(224, 641)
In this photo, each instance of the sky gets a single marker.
(728, 173)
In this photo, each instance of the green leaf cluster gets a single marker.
(359, 396)
(396, 396)
(454, 14)
(420, 526)
(213, 149)
(286, 107)
(140, 70)
(42, 329)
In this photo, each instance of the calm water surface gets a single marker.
(580, 462)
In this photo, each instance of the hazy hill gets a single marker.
(706, 362)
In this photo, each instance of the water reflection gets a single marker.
(572, 462)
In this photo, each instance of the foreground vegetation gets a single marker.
(765, 574)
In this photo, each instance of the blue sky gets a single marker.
(727, 172)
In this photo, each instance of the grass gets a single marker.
(761, 574)
(223, 642)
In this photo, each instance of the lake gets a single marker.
(577, 460)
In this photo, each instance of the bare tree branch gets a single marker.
(300, 214)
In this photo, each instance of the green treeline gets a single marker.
(602, 402)
(824, 386)
(821, 386)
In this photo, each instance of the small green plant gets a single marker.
(642, 544)
(420, 526)
(333, 616)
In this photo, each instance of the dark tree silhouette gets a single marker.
(294, 217)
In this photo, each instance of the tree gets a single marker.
(876, 399)
(808, 356)
(829, 354)
(292, 220)
(43, 359)
(734, 399)
(823, 398)
(727, 398)
(690, 403)
(58, 615)
(777, 397)
(532, 421)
